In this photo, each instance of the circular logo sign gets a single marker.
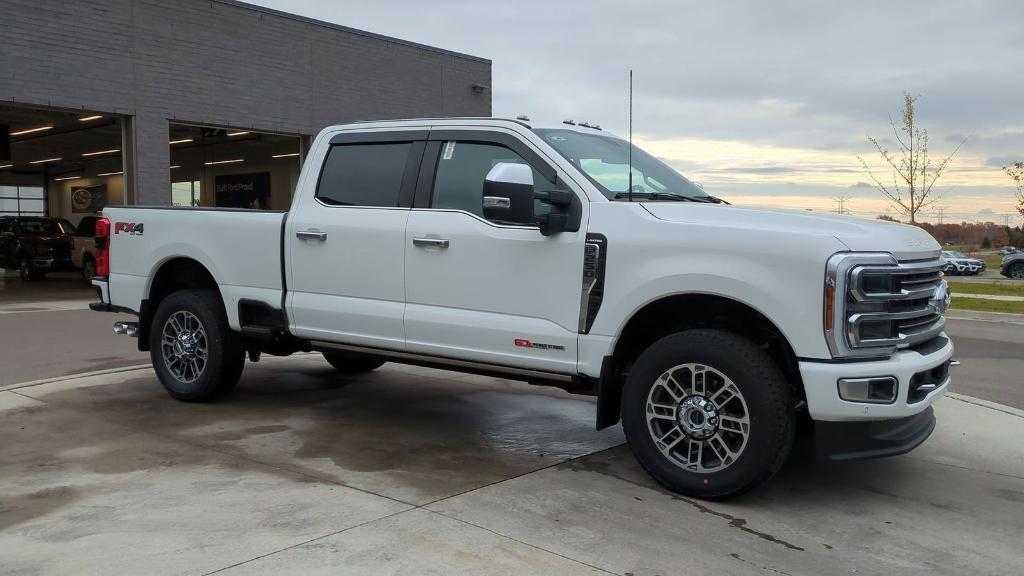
(941, 298)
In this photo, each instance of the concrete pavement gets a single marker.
(417, 471)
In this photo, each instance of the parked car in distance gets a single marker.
(1007, 250)
(35, 245)
(499, 247)
(83, 247)
(1012, 266)
(958, 263)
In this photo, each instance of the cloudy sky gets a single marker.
(766, 103)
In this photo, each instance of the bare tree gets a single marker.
(913, 171)
(1016, 173)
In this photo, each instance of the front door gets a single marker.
(496, 293)
(346, 278)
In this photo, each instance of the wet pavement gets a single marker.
(412, 470)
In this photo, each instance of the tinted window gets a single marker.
(363, 174)
(34, 226)
(86, 227)
(459, 183)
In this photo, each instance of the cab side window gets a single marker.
(363, 174)
(461, 169)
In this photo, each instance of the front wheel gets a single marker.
(25, 270)
(708, 413)
(196, 355)
(1016, 271)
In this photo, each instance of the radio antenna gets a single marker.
(629, 154)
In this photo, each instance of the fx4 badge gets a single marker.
(524, 343)
(132, 228)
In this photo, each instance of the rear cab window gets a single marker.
(374, 169)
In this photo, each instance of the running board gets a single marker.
(567, 382)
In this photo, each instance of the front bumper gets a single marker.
(821, 384)
(842, 441)
(51, 264)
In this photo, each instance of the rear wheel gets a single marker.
(196, 355)
(707, 413)
(1016, 271)
(88, 269)
(352, 362)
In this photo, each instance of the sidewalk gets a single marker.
(989, 297)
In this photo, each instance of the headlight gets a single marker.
(875, 305)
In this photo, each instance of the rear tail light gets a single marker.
(103, 247)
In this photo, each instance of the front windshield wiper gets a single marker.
(667, 196)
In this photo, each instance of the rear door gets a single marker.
(496, 293)
(346, 244)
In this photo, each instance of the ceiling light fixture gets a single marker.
(115, 150)
(31, 130)
(285, 155)
(6, 166)
(89, 118)
(182, 141)
(237, 133)
(175, 166)
(66, 178)
(45, 160)
(215, 162)
(110, 173)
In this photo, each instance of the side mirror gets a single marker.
(509, 197)
(508, 194)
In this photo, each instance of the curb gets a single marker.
(73, 376)
(979, 315)
(986, 404)
(31, 383)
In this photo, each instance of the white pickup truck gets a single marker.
(536, 253)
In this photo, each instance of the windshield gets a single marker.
(42, 226)
(605, 161)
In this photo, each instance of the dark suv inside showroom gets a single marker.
(35, 245)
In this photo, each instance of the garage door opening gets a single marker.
(232, 168)
(57, 168)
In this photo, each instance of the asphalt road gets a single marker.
(992, 359)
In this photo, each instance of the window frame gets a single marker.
(415, 138)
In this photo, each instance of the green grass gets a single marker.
(981, 305)
(993, 262)
(1001, 289)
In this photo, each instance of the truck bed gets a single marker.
(239, 247)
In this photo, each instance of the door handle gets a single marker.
(311, 235)
(430, 242)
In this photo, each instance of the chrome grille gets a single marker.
(882, 305)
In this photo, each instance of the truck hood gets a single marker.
(859, 235)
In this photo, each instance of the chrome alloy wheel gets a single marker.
(698, 418)
(184, 347)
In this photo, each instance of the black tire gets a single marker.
(88, 269)
(25, 270)
(225, 356)
(1016, 271)
(352, 362)
(765, 392)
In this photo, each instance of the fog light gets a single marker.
(881, 390)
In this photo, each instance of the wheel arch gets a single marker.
(682, 311)
(176, 273)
